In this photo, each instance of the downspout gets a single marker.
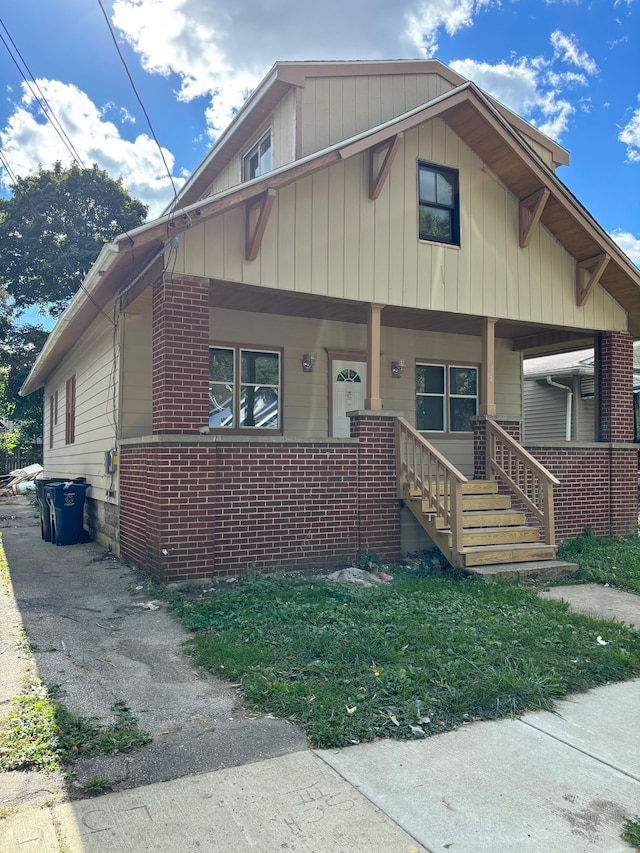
(569, 404)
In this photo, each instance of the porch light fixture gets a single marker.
(397, 368)
(308, 361)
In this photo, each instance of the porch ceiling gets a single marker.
(525, 336)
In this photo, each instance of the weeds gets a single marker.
(43, 734)
(631, 833)
(602, 559)
(409, 659)
(96, 785)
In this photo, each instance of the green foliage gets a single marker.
(96, 785)
(631, 833)
(422, 655)
(42, 734)
(53, 227)
(603, 559)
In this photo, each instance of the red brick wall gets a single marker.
(480, 442)
(180, 375)
(378, 504)
(220, 508)
(614, 365)
(598, 488)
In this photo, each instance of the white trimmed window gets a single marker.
(257, 161)
(244, 388)
(446, 397)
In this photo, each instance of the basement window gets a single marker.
(438, 204)
(244, 388)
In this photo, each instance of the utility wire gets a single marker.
(142, 106)
(39, 96)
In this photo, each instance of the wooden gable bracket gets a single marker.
(588, 273)
(531, 209)
(381, 159)
(257, 213)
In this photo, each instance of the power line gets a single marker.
(142, 106)
(39, 96)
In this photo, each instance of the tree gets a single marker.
(52, 229)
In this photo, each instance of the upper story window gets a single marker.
(258, 160)
(438, 201)
(446, 397)
(244, 388)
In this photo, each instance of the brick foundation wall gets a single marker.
(598, 488)
(222, 508)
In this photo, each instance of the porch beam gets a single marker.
(487, 374)
(378, 171)
(256, 219)
(373, 401)
(588, 273)
(550, 339)
(530, 210)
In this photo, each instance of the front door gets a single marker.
(348, 393)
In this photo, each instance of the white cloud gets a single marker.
(29, 141)
(221, 50)
(523, 87)
(629, 243)
(566, 49)
(630, 135)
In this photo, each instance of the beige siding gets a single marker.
(325, 236)
(338, 108)
(92, 362)
(283, 131)
(135, 397)
(306, 395)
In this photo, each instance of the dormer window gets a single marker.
(439, 211)
(258, 160)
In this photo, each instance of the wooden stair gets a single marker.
(493, 533)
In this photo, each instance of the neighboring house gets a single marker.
(559, 397)
(308, 357)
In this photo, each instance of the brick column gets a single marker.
(378, 503)
(180, 376)
(614, 376)
(480, 442)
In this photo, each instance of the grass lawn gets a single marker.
(615, 561)
(407, 659)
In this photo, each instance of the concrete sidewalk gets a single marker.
(545, 782)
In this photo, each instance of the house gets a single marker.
(316, 352)
(559, 397)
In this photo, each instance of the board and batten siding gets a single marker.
(337, 108)
(283, 146)
(136, 371)
(92, 363)
(326, 237)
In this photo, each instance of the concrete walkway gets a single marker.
(545, 782)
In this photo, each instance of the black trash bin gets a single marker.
(66, 504)
(45, 511)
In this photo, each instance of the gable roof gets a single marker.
(466, 109)
(285, 75)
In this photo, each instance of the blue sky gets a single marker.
(571, 67)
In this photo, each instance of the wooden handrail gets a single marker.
(425, 472)
(523, 474)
